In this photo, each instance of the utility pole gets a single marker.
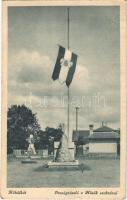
(77, 108)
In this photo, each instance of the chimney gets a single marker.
(91, 129)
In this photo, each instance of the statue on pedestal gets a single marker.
(31, 148)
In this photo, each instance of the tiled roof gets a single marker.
(103, 132)
(104, 135)
(103, 129)
(80, 134)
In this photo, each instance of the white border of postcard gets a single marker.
(49, 193)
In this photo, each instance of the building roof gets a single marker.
(104, 135)
(103, 132)
(84, 134)
(103, 129)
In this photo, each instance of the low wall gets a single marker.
(21, 152)
(98, 156)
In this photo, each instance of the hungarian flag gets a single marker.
(65, 66)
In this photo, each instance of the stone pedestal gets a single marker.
(63, 164)
(28, 161)
(64, 156)
(45, 153)
(31, 149)
(35, 157)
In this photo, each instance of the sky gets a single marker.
(33, 37)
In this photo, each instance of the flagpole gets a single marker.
(68, 9)
(68, 113)
(68, 119)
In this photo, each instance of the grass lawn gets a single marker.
(97, 173)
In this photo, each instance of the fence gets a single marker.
(22, 152)
(98, 156)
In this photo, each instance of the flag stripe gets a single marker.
(71, 70)
(57, 67)
(67, 55)
(63, 74)
(64, 69)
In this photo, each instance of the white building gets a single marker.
(101, 141)
(104, 140)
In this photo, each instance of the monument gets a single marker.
(63, 72)
(31, 148)
(31, 153)
(63, 156)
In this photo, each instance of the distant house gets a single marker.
(81, 140)
(103, 140)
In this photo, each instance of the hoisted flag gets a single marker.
(65, 66)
